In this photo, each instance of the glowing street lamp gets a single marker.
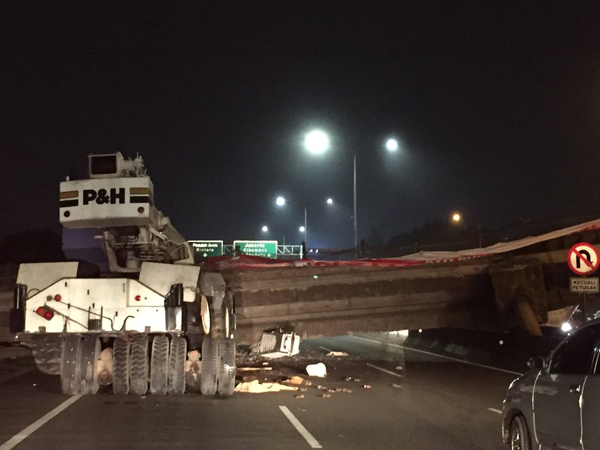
(456, 218)
(316, 142)
(302, 229)
(265, 229)
(280, 201)
(330, 201)
(391, 145)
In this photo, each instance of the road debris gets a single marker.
(399, 368)
(301, 409)
(316, 370)
(347, 378)
(295, 380)
(396, 385)
(337, 354)
(347, 391)
(302, 389)
(256, 387)
(357, 380)
(326, 395)
(367, 386)
(300, 396)
(252, 369)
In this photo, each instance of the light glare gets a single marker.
(456, 217)
(391, 145)
(302, 229)
(566, 327)
(316, 142)
(330, 201)
(280, 201)
(265, 229)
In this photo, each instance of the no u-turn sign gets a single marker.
(583, 259)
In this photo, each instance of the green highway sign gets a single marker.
(206, 249)
(267, 249)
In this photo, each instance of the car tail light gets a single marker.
(45, 312)
(57, 297)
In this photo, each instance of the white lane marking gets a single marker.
(303, 431)
(17, 438)
(435, 354)
(384, 370)
(497, 411)
(325, 348)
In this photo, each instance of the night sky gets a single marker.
(496, 106)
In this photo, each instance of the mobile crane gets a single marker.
(133, 327)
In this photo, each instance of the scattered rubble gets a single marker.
(295, 381)
(396, 385)
(253, 369)
(316, 370)
(256, 387)
(326, 395)
(367, 386)
(337, 354)
(300, 396)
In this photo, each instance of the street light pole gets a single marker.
(355, 212)
(305, 228)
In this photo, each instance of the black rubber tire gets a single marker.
(226, 377)
(46, 350)
(209, 366)
(519, 437)
(177, 359)
(90, 354)
(121, 366)
(220, 319)
(138, 377)
(159, 365)
(70, 372)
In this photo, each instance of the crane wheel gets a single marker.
(121, 366)
(209, 366)
(139, 364)
(159, 365)
(226, 376)
(90, 354)
(177, 359)
(70, 373)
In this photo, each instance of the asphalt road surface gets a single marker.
(416, 400)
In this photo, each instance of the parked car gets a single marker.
(556, 405)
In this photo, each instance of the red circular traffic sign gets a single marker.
(583, 259)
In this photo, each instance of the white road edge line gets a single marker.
(325, 348)
(16, 439)
(497, 411)
(435, 354)
(384, 370)
(303, 431)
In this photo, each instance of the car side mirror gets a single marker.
(537, 362)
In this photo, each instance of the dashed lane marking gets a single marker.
(303, 431)
(16, 439)
(435, 354)
(497, 411)
(384, 370)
